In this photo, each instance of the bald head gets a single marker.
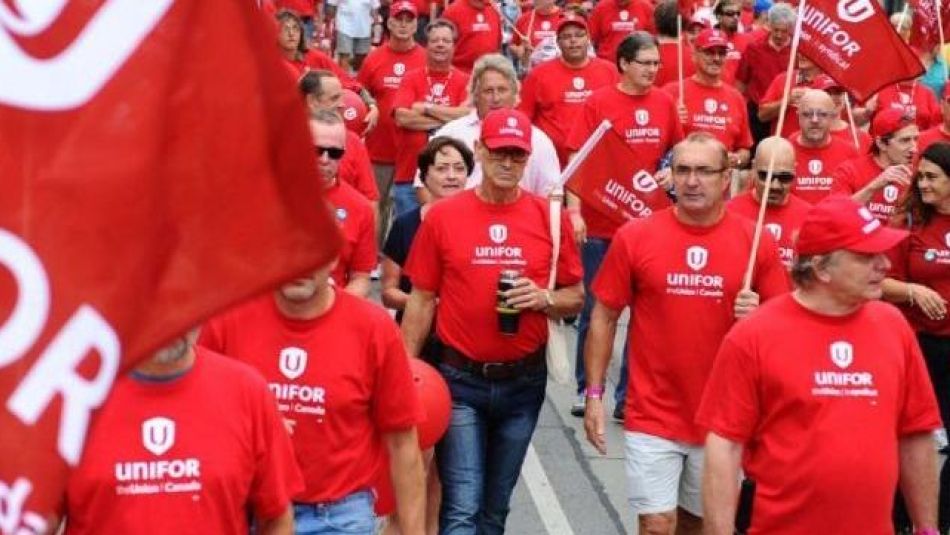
(783, 170)
(816, 114)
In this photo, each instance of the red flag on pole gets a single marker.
(924, 32)
(149, 180)
(608, 179)
(854, 43)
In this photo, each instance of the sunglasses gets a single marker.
(785, 177)
(730, 13)
(335, 153)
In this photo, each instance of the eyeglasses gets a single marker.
(685, 171)
(335, 153)
(653, 63)
(785, 177)
(815, 114)
(515, 155)
(729, 13)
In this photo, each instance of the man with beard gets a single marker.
(817, 151)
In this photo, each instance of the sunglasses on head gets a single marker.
(785, 177)
(335, 153)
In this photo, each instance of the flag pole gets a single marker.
(783, 108)
(679, 53)
(946, 68)
(854, 129)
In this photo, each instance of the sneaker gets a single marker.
(618, 411)
(579, 406)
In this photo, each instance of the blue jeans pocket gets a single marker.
(353, 516)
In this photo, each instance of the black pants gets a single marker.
(936, 351)
(758, 129)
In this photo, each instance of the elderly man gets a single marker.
(687, 261)
(487, 279)
(828, 421)
(784, 212)
(880, 178)
(494, 85)
(817, 151)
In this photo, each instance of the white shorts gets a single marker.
(663, 474)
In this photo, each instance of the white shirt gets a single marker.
(542, 171)
(354, 18)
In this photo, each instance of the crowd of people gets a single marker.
(808, 362)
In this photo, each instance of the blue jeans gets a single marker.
(592, 256)
(404, 198)
(480, 456)
(352, 514)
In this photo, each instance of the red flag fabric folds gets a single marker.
(157, 167)
(610, 181)
(924, 32)
(854, 43)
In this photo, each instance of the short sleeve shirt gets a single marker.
(355, 217)
(718, 110)
(814, 167)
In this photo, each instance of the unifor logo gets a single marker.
(349, 113)
(775, 229)
(643, 181)
(642, 117)
(815, 167)
(855, 11)
(578, 83)
(480, 18)
(512, 122)
(842, 354)
(697, 257)
(293, 362)
(891, 193)
(498, 233)
(624, 15)
(710, 105)
(546, 25)
(89, 59)
(437, 89)
(399, 69)
(158, 434)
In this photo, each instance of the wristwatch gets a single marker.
(548, 299)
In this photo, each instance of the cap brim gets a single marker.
(401, 11)
(883, 240)
(716, 45)
(567, 23)
(508, 143)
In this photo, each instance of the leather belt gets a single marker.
(494, 371)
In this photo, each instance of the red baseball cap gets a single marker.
(403, 6)
(889, 121)
(825, 83)
(711, 38)
(838, 222)
(571, 18)
(504, 128)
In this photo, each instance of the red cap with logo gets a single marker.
(571, 18)
(506, 128)
(838, 222)
(889, 121)
(711, 38)
(403, 6)
(825, 83)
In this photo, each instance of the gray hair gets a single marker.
(497, 63)
(804, 268)
(782, 13)
(326, 117)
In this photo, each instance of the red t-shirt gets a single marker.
(851, 176)
(317, 60)
(342, 377)
(479, 32)
(924, 258)
(358, 224)
(782, 222)
(820, 403)
(381, 74)
(931, 136)
(649, 123)
(914, 97)
(190, 455)
(670, 274)
(356, 169)
(462, 263)
(610, 23)
(814, 167)
(737, 44)
(422, 85)
(718, 110)
(864, 139)
(669, 69)
(541, 27)
(774, 94)
(760, 64)
(553, 94)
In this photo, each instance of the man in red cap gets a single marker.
(828, 420)
(554, 92)
(712, 105)
(487, 278)
(940, 132)
(381, 74)
(880, 178)
(817, 152)
(613, 20)
(479, 30)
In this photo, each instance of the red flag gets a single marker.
(854, 43)
(157, 167)
(924, 32)
(610, 180)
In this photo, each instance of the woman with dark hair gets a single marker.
(920, 280)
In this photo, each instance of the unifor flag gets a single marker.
(924, 32)
(854, 43)
(606, 177)
(155, 168)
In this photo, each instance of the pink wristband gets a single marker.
(927, 531)
(595, 391)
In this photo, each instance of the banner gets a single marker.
(607, 179)
(924, 31)
(854, 43)
(157, 167)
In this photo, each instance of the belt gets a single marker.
(494, 371)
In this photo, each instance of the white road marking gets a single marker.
(549, 508)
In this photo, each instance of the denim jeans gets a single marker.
(481, 454)
(404, 198)
(352, 514)
(592, 256)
